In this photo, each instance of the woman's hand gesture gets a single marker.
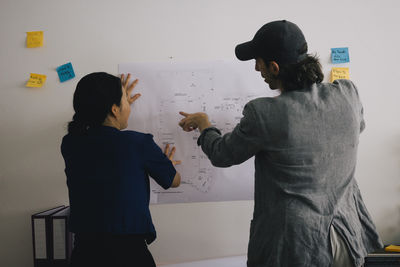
(170, 155)
(128, 88)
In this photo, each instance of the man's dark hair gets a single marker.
(94, 97)
(302, 74)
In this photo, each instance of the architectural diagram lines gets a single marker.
(217, 88)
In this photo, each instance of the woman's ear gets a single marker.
(273, 68)
(115, 110)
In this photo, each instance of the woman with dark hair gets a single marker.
(107, 173)
(308, 210)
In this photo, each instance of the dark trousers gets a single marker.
(111, 251)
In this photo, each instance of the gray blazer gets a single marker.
(305, 147)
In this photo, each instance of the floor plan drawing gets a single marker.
(219, 88)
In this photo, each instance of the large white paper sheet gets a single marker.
(219, 88)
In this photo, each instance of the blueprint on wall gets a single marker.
(218, 88)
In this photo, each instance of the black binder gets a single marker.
(382, 258)
(62, 238)
(42, 236)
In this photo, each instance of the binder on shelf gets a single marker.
(382, 258)
(41, 236)
(62, 238)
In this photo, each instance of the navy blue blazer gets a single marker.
(108, 180)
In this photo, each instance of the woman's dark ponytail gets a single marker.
(94, 96)
(77, 126)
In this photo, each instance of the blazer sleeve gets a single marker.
(360, 108)
(352, 92)
(156, 164)
(235, 147)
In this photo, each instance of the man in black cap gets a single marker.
(308, 210)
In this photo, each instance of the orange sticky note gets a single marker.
(34, 39)
(339, 73)
(36, 80)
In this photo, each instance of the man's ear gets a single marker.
(273, 68)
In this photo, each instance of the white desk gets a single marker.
(237, 261)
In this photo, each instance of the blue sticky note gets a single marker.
(340, 55)
(65, 72)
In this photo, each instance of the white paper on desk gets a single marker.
(219, 88)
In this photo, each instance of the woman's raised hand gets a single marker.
(129, 87)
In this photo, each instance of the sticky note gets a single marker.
(34, 39)
(36, 80)
(392, 248)
(340, 73)
(65, 72)
(340, 55)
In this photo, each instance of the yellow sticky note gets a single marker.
(36, 80)
(339, 73)
(393, 248)
(34, 39)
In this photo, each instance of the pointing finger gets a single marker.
(184, 113)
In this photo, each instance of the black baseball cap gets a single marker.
(281, 41)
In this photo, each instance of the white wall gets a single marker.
(97, 35)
